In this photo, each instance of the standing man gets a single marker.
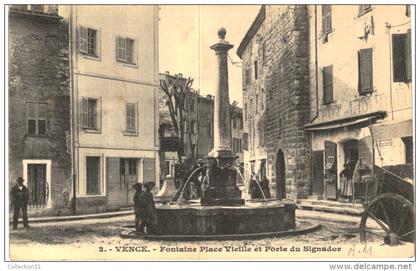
(20, 198)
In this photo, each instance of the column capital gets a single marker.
(221, 47)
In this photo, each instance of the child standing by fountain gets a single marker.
(148, 212)
(138, 205)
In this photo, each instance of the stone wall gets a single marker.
(39, 72)
(287, 86)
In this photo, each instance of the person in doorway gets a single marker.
(346, 181)
(148, 212)
(138, 205)
(265, 187)
(20, 198)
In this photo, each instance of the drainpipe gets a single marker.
(72, 113)
(316, 63)
(388, 26)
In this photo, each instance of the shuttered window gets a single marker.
(91, 41)
(401, 57)
(327, 75)
(36, 115)
(90, 113)
(125, 50)
(245, 141)
(363, 9)
(365, 71)
(326, 19)
(131, 117)
(83, 42)
(88, 41)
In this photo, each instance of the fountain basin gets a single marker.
(253, 217)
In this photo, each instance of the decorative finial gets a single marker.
(221, 33)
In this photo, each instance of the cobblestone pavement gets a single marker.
(100, 235)
(108, 230)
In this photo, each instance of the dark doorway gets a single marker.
(280, 175)
(37, 185)
(351, 151)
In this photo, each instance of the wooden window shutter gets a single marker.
(330, 154)
(328, 84)
(129, 51)
(399, 65)
(365, 71)
(93, 104)
(326, 19)
(245, 141)
(83, 39)
(131, 117)
(121, 56)
(408, 56)
(85, 109)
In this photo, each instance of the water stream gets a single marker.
(185, 184)
(259, 185)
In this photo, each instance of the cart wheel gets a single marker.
(389, 217)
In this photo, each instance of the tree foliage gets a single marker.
(178, 92)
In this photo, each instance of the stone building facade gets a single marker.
(114, 65)
(276, 99)
(360, 82)
(39, 106)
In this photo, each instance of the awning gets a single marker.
(365, 119)
(385, 131)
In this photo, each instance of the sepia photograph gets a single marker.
(209, 132)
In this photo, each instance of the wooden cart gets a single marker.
(389, 213)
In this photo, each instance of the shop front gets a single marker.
(343, 155)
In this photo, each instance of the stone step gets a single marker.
(330, 203)
(332, 209)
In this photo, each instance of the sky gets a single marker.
(187, 32)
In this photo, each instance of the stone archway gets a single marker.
(280, 175)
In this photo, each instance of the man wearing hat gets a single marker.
(20, 198)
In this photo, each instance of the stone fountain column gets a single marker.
(222, 189)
